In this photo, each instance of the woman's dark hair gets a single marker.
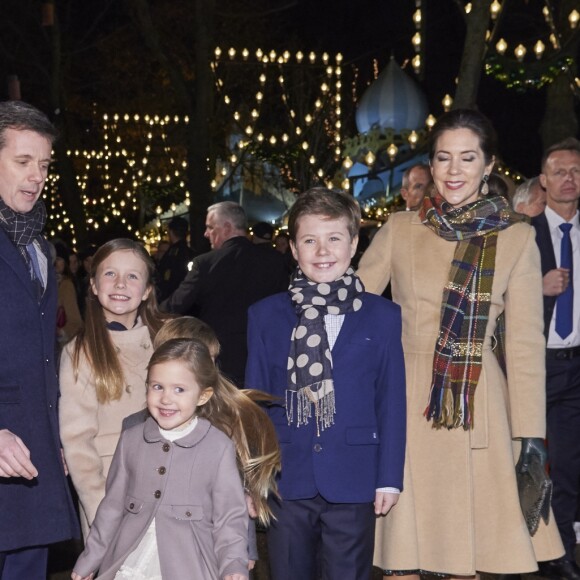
(466, 119)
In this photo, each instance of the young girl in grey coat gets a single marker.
(174, 505)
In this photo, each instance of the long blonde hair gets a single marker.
(233, 411)
(94, 339)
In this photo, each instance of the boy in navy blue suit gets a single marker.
(332, 354)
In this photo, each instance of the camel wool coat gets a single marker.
(460, 510)
(90, 430)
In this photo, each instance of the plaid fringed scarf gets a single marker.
(466, 303)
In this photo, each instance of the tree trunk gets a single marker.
(473, 55)
(67, 187)
(200, 157)
(560, 119)
(196, 102)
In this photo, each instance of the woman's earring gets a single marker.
(484, 185)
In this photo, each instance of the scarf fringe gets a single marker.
(449, 410)
(319, 396)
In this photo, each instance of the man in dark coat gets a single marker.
(35, 504)
(225, 282)
(172, 267)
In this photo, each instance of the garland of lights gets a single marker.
(533, 75)
(519, 75)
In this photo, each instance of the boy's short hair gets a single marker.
(330, 203)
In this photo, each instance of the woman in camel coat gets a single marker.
(460, 512)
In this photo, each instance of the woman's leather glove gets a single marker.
(531, 447)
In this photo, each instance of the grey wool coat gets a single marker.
(193, 490)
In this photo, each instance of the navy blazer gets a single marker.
(365, 448)
(37, 512)
(548, 259)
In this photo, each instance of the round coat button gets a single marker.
(157, 494)
(165, 447)
(188, 514)
(162, 470)
(318, 448)
(131, 506)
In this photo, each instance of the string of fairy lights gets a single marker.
(545, 57)
(293, 130)
(120, 176)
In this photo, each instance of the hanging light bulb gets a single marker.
(416, 41)
(447, 102)
(546, 13)
(573, 18)
(417, 18)
(413, 138)
(495, 9)
(539, 48)
(370, 158)
(232, 53)
(430, 121)
(392, 151)
(347, 163)
(345, 184)
(468, 8)
(520, 52)
(416, 62)
(501, 46)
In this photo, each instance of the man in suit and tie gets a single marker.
(558, 238)
(225, 282)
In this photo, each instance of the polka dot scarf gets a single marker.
(310, 384)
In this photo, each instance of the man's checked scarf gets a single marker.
(24, 230)
(466, 302)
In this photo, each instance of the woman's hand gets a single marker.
(228, 577)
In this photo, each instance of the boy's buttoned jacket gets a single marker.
(193, 490)
(365, 448)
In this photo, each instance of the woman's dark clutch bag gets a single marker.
(535, 491)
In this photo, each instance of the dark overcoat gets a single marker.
(220, 288)
(40, 511)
